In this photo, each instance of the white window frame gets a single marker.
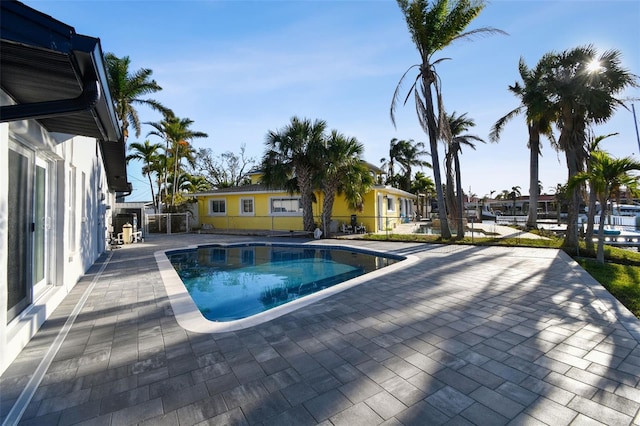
(287, 213)
(391, 204)
(253, 207)
(211, 212)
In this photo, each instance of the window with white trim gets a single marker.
(391, 204)
(289, 206)
(217, 207)
(246, 206)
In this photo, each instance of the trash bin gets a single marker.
(127, 233)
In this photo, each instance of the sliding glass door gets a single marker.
(19, 288)
(28, 225)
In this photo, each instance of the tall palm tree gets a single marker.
(176, 133)
(127, 90)
(604, 174)
(582, 94)
(458, 125)
(343, 172)
(291, 161)
(539, 115)
(434, 26)
(148, 154)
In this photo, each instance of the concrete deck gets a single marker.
(465, 335)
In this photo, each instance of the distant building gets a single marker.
(255, 207)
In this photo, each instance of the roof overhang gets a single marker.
(58, 78)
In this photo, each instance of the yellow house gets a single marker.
(255, 207)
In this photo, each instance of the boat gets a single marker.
(626, 210)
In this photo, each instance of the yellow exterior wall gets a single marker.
(261, 219)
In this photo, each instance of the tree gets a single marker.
(423, 185)
(560, 195)
(127, 91)
(148, 154)
(605, 173)
(539, 115)
(224, 170)
(291, 161)
(458, 125)
(514, 194)
(434, 27)
(388, 164)
(409, 155)
(593, 145)
(582, 87)
(343, 172)
(176, 133)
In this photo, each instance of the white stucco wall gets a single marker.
(76, 227)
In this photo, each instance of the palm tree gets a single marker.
(394, 152)
(582, 94)
(409, 155)
(423, 185)
(593, 145)
(176, 133)
(291, 161)
(148, 154)
(434, 27)
(128, 89)
(514, 194)
(458, 125)
(535, 105)
(343, 172)
(605, 174)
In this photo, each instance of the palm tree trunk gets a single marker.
(176, 161)
(327, 207)
(435, 160)
(306, 196)
(450, 195)
(153, 197)
(572, 141)
(600, 252)
(591, 214)
(534, 189)
(460, 195)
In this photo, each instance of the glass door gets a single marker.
(42, 223)
(20, 226)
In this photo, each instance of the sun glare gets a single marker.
(594, 66)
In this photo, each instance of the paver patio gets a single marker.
(466, 335)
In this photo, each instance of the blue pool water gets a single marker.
(233, 282)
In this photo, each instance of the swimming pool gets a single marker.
(228, 287)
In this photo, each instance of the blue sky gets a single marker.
(242, 68)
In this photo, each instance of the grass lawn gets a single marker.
(620, 274)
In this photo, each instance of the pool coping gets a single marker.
(190, 318)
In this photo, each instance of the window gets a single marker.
(391, 204)
(218, 207)
(248, 256)
(218, 256)
(246, 206)
(286, 206)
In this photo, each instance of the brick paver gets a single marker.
(466, 335)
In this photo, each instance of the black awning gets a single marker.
(58, 78)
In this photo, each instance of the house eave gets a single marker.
(57, 77)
